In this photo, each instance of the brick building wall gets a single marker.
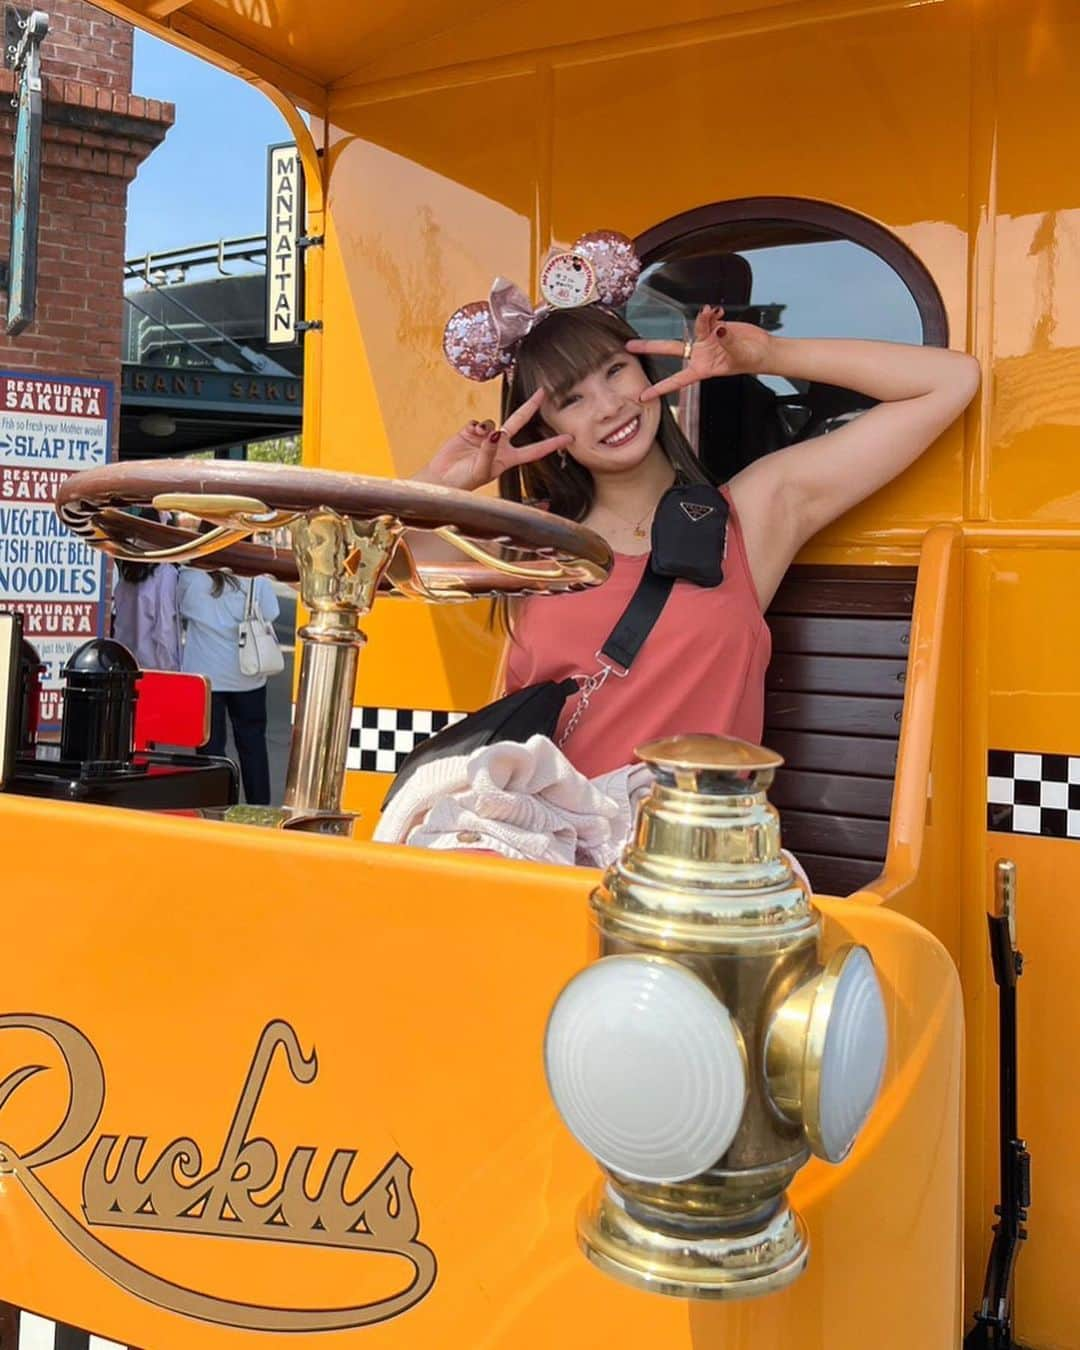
(96, 133)
(86, 44)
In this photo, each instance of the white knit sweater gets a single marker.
(523, 801)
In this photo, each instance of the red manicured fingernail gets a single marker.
(721, 331)
(494, 436)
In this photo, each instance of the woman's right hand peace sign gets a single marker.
(718, 348)
(480, 451)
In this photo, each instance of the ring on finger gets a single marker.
(687, 348)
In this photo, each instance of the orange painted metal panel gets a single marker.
(459, 145)
(336, 42)
(417, 987)
(1033, 704)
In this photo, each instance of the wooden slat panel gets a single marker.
(840, 836)
(827, 637)
(834, 699)
(832, 713)
(834, 754)
(845, 572)
(832, 794)
(836, 675)
(837, 596)
(839, 876)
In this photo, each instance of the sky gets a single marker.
(207, 180)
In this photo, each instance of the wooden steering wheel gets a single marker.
(506, 548)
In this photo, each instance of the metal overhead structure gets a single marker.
(195, 376)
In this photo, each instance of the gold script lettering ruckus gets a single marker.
(175, 1193)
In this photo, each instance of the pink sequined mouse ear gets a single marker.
(471, 342)
(612, 257)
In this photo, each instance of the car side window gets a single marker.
(798, 269)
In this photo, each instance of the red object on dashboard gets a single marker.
(172, 709)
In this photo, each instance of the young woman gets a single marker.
(145, 616)
(588, 433)
(212, 605)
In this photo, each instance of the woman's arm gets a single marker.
(785, 498)
(183, 588)
(266, 599)
(167, 635)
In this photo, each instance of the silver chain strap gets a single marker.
(590, 685)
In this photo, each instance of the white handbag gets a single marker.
(259, 651)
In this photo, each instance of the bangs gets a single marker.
(567, 346)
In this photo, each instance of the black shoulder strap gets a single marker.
(638, 618)
(678, 550)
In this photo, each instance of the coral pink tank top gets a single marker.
(702, 668)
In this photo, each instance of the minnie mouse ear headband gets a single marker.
(481, 338)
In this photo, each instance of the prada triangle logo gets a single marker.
(695, 511)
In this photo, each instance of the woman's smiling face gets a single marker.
(612, 429)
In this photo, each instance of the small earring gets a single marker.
(562, 459)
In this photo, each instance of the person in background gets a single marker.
(212, 607)
(145, 615)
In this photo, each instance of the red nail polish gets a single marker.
(494, 436)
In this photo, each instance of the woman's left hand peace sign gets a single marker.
(718, 348)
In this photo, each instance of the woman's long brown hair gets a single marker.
(566, 347)
(218, 578)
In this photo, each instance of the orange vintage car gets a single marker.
(288, 1085)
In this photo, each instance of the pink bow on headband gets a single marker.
(480, 338)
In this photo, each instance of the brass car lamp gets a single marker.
(709, 1051)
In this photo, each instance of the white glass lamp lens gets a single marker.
(646, 1069)
(853, 1061)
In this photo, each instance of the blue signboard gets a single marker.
(50, 427)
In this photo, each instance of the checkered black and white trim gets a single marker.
(380, 738)
(1030, 793)
(40, 1333)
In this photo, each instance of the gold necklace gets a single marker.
(638, 527)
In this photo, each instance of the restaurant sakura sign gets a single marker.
(50, 427)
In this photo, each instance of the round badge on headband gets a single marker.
(481, 338)
(567, 281)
